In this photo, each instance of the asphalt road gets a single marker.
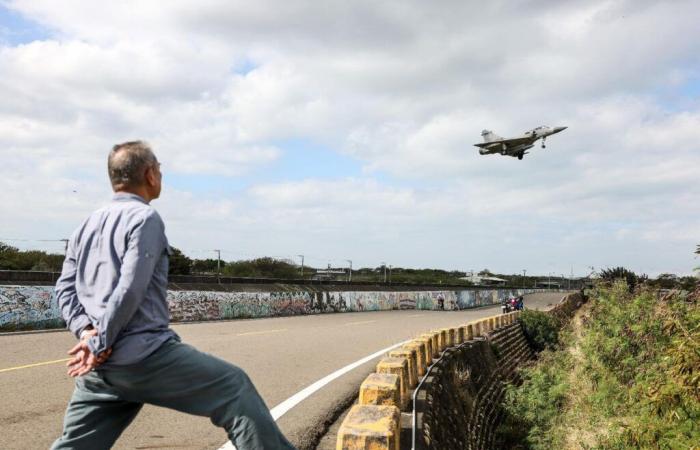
(281, 355)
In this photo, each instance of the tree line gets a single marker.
(12, 258)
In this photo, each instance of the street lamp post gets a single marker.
(389, 273)
(350, 273)
(302, 265)
(384, 267)
(524, 270)
(218, 263)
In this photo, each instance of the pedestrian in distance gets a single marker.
(112, 293)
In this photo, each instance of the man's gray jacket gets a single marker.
(115, 278)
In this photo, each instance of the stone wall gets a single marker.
(34, 307)
(459, 407)
(459, 404)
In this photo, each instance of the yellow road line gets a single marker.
(45, 363)
(359, 323)
(260, 332)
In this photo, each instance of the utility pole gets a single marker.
(524, 270)
(389, 273)
(350, 274)
(384, 266)
(549, 280)
(218, 263)
(65, 250)
(302, 265)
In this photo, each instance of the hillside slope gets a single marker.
(625, 374)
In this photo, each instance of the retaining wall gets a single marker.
(443, 389)
(461, 405)
(34, 307)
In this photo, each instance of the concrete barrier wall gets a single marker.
(471, 381)
(34, 307)
(24, 307)
(376, 421)
(460, 406)
(456, 376)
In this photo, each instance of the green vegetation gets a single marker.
(620, 273)
(11, 258)
(261, 268)
(671, 281)
(179, 263)
(541, 329)
(625, 375)
(402, 275)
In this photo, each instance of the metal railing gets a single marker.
(425, 377)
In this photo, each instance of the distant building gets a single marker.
(485, 280)
(549, 284)
(330, 274)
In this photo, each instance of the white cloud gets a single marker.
(402, 87)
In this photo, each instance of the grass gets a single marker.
(624, 374)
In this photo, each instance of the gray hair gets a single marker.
(127, 163)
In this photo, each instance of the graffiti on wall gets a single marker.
(23, 307)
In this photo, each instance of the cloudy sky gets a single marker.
(345, 130)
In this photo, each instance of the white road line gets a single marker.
(360, 323)
(281, 409)
(249, 333)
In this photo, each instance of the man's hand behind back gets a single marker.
(83, 360)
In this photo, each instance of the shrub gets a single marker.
(532, 408)
(540, 328)
(627, 376)
(620, 273)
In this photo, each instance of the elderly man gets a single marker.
(112, 294)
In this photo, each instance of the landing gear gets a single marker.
(543, 146)
(520, 155)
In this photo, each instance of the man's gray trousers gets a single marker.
(175, 376)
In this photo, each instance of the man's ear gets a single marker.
(150, 176)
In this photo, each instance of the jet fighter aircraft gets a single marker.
(517, 146)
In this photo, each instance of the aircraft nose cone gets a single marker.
(558, 129)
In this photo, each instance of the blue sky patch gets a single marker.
(16, 30)
(300, 160)
(244, 67)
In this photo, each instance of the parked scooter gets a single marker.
(508, 305)
(512, 304)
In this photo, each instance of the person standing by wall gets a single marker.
(112, 295)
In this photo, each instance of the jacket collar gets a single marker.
(127, 196)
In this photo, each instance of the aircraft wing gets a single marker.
(516, 141)
(508, 142)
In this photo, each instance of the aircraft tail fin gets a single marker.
(490, 136)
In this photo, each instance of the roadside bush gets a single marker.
(541, 329)
(533, 407)
(620, 273)
(627, 375)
